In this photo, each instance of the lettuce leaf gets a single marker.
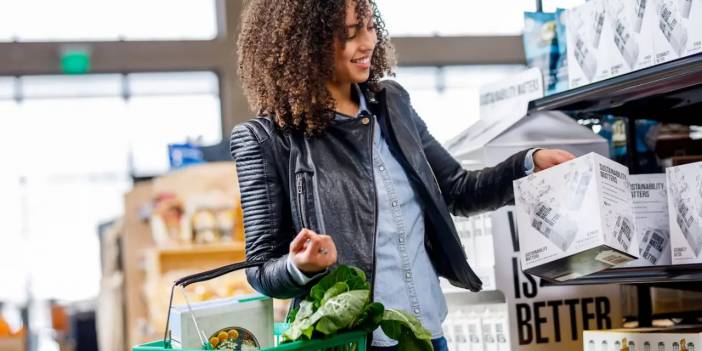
(407, 330)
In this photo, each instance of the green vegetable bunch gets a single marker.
(341, 301)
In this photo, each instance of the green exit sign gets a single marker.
(75, 61)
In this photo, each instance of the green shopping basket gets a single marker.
(349, 341)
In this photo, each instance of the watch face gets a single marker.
(234, 338)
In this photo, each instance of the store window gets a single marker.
(85, 20)
(69, 146)
(451, 17)
(447, 98)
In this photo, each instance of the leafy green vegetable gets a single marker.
(303, 324)
(354, 278)
(340, 311)
(370, 318)
(341, 301)
(407, 330)
(336, 289)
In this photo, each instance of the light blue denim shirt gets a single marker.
(405, 279)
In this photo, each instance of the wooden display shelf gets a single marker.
(201, 257)
(12, 343)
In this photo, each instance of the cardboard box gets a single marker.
(575, 218)
(685, 211)
(650, 201)
(630, 40)
(679, 29)
(645, 339)
(251, 316)
(587, 58)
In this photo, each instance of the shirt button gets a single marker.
(416, 311)
(408, 275)
(402, 240)
(394, 204)
(365, 120)
(381, 168)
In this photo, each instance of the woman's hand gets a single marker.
(546, 158)
(312, 252)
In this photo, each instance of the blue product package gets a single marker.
(543, 49)
(183, 155)
(562, 63)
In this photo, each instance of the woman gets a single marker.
(339, 168)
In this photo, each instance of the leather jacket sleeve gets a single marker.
(264, 204)
(468, 192)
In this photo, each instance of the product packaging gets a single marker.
(244, 321)
(630, 38)
(650, 200)
(679, 29)
(685, 212)
(575, 218)
(542, 49)
(587, 59)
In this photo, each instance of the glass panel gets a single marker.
(93, 85)
(451, 17)
(74, 153)
(80, 20)
(447, 99)
(173, 83)
(158, 121)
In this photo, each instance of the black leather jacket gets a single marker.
(288, 182)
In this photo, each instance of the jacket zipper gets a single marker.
(301, 199)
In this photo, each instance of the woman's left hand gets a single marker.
(546, 158)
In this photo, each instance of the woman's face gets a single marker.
(352, 58)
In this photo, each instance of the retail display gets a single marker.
(630, 43)
(645, 339)
(475, 233)
(478, 327)
(587, 60)
(575, 218)
(680, 29)
(685, 210)
(545, 49)
(244, 321)
(650, 200)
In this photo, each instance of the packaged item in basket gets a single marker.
(575, 219)
(685, 211)
(241, 323)
(651, 219)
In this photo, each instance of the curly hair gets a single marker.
(286, 56)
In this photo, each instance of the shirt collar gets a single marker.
(362, 104)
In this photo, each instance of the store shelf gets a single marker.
(673, 276)
(196, 256)
(669, 92)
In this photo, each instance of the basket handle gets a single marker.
(201, 277)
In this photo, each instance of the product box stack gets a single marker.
(650, 202)
(607, 38)
(478, 327)
(685, 211)
(576, 218)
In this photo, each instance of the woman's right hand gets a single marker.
(311, 252)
